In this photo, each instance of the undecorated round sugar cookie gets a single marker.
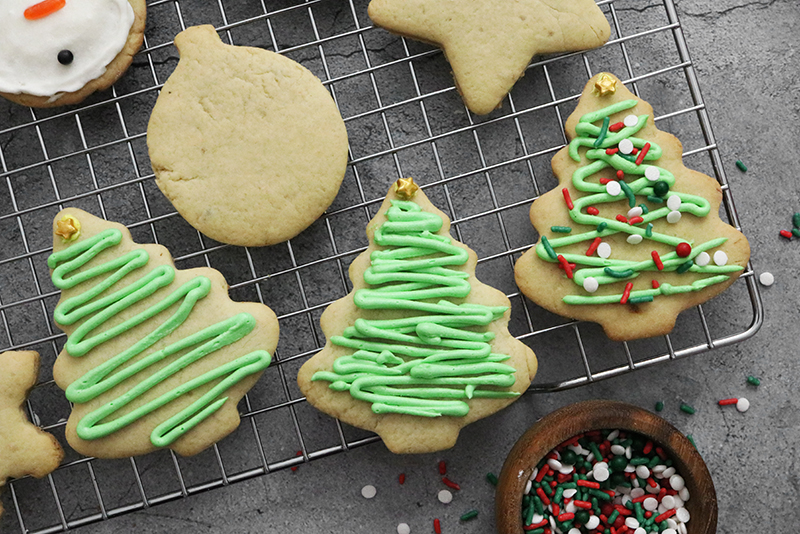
(58, 52)
(247, 145)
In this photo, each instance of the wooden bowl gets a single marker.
(574, 419)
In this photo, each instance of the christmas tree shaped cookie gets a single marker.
(156, 357)
(630, 237)
(420, 347)
(489, 43)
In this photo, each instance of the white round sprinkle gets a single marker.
(674, 202)
(604, 250)
(628, 454)
(403, 528)
(677, 483)
(601, 475)
(618, 450)
(652, 489)
(671, 523)
(684, 494)
(445, 497)
(566, 470)
(632, 522)
(625, 500)
(678, 501)
(534, 473)
(570, 493)
(573, 531)
(635, 211)
(659, 469)
(570, 508)
(593, 522)
(537, 518)
(528, 486)
(673, 217)
(600, 465)
(702, 259)
(368, 491)
(652, 173)
(642, 471)
(613, 188)
(614, 434)
(640, 530)
(669, 531)
(626, 146)
(766, 279)
(636, 493)
(590, 284)
(720, 258)
(682, 514)
(682, 528)
(554, 464)
(630, 120)
(634, 239)
(743, 405)
(635, 482)
(650, 503)
(629, 468)
(668, 472)
(668, 501)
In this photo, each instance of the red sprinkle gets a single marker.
(450, 484)
(647, 447)
(622, 218)
(657, 261)
(43, 9)
(660, 453)
(787, 234)
(622, 510)
(683, 249)
(593, 247)
(665, 515)
(556, 509)
(727, 402)
(617, 126)
(542, 473)
(442, 467)
(583, 504)
(652, 483)
(402, 478)
(656, 285)
(565, 264)
(642, 154)
(641, 498)
(604, 181)
(589, 484)
(542, 495)
(566, 517)
(567, 198)
(636, 220)
(634, 151)
(437, 526)
(623, 529)
(620, 175)
(611, 151)
(591, 210)
(540, 524)
(626, 293)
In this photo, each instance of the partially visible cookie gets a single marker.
(58, 52)
(630, 237)
(489, 43)
(156, 357)
(24, 448)
(420, 348)
(248, 145)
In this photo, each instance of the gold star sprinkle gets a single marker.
(405, 188)
(605, 85)
(69, 228)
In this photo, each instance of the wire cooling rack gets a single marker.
(404, 117)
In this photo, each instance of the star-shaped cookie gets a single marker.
(24, 449)
(490, 42)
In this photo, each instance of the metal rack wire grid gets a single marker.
(404, 117)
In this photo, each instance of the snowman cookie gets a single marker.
(58, 52)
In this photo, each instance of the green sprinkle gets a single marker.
(529, 515)
(641, 460)
(654, 461)
(618, 274)
(655, 199)
(659, 406)
(600, 494)
(561, 229)
(685, 267)
(796, 220)
(603, 133)
(661, 188)
(641, 299)
(472, 514)
(796, 232)
(627, 156)
(639, 512)
(691, 440)
(538, 505)
(549, 248)
(685, 408)
(536, 530)
(492, 478)
(628, 193)
(569, 485)
(558, 494)
(742, 166)
(645, 211)
(593, 447)
(649, 230)
(753, 381)
(602, 226)
(613, 517)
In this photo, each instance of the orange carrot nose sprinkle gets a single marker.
(42, 9)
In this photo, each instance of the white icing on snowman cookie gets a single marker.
(63, 50)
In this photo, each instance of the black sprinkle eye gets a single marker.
(65, 57)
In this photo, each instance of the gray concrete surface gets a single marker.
(746, 57)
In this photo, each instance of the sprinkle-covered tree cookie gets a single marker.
(156, 357)
(631, 237)
(420, 347)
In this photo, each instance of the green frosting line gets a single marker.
(98, 310)
(596, 139)
(429, 363)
